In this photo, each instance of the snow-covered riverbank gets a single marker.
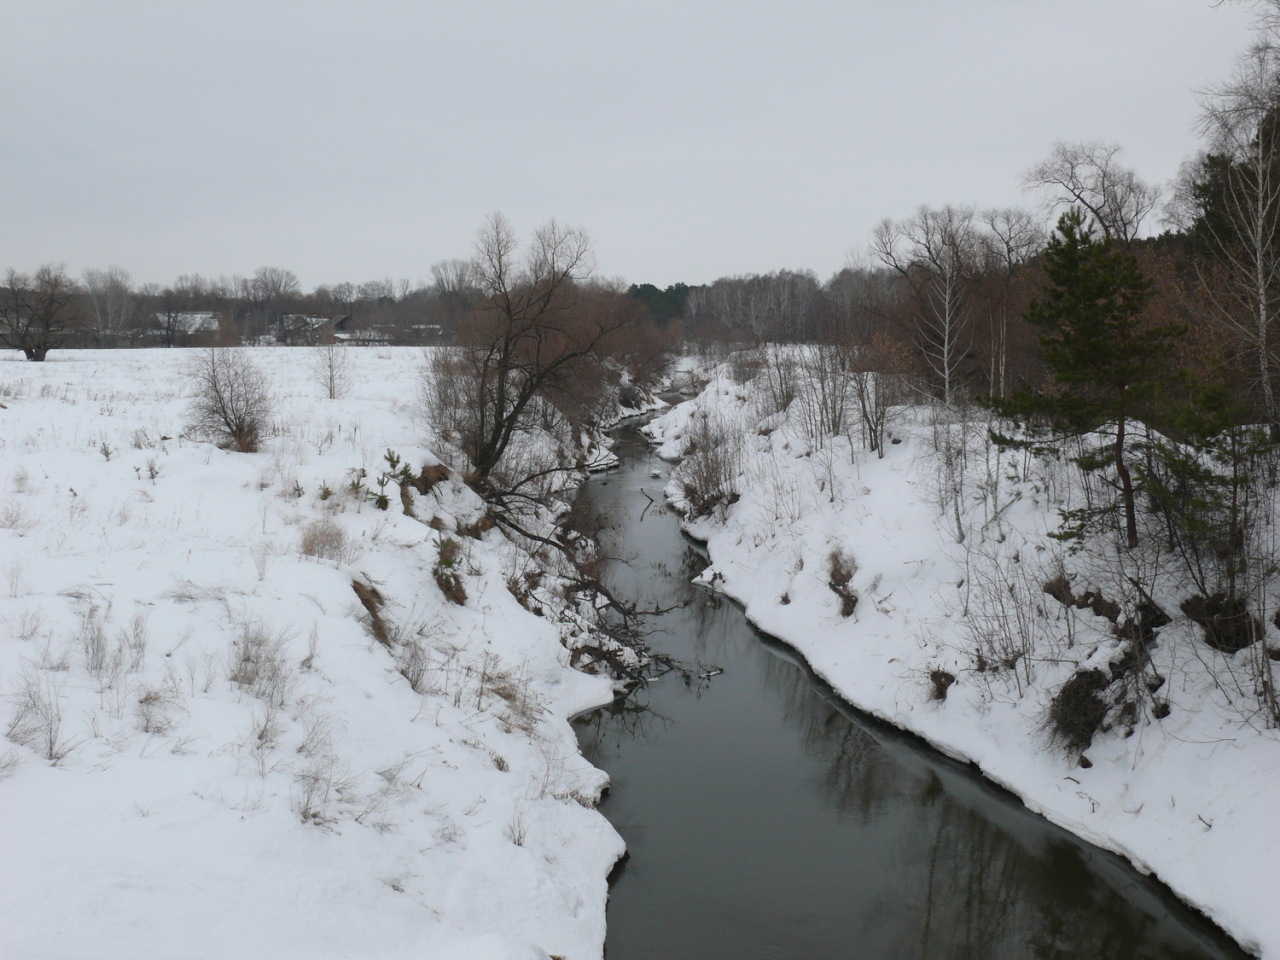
(851, 559)
(214, 749)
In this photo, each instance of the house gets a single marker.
(366, 336)
(183, 328)
(297, 328)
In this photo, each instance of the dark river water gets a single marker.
(767, 819)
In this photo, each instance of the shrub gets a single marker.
(1228, 625)
(842, 571)
(414, 665)
(744, 366)
(941, 682)
(37, 718)
(232, 401)
(321, 783)
(1077, 711)
(325, 539)
(446, 571)
(777, 382)
(154, 709)
(258, 665)
(708, 475)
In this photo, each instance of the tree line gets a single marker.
(49, 308)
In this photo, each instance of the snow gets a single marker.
(239, 767)
(1190, 798)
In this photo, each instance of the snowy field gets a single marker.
(216, 748)
(822, 526)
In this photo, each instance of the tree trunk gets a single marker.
(1126, 488)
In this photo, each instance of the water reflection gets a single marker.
(632, 719)
(767, 819)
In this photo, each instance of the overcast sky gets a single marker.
(355, 141)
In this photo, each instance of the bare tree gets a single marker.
(331, 369)
(1090, 176)
(794, 296)
(858, 296)
(455, 277)
(377, 291)
(269, 293)
(1268, 15)
(935, 253)
(537, 341)
(1012, 237)
(878, 377)
(1233, 196)
(36, 311)
(455, 286)
(110, 301)
(741, 303)
(341, 298)
(782, 305)
(273, 285)
(193, 288)
(232, 400)
(877, 364)
(180, 312)
(824, 391)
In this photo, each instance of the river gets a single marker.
(765, 818)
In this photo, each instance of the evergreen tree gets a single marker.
(664, 305)
(1206, 486)
(1102, 358)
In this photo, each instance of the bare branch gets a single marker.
(1090, 176)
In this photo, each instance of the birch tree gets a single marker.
(1233, 194)
(110, 301)
(934, 252)
(1011, 238)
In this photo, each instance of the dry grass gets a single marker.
(517, 830)
(322, 783)
(155, 709)
(325, 539)
(414, 664)
(372, 602)
(37, 718)
(258, 664)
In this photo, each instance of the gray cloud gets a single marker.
(350, 141)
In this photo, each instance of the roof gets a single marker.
(193, 322)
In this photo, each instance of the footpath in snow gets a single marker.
(855, 561)
(251, 714)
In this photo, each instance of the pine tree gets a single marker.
(1102, 358)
